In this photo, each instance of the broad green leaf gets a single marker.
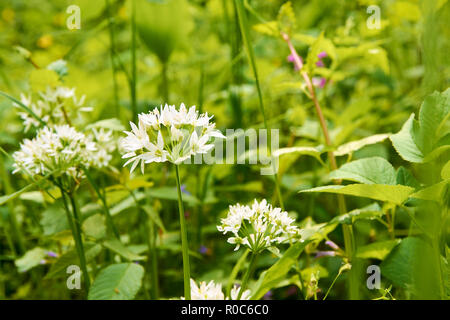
(310, 151)
(170, 193)
(434, 193)
(404, 141)
(71, 258)
(276, 273)
(95, 226)
(417, 139)
(117, 246)
(373, 170)
(399, 265)
(445, 173)
(405, 177)
(117, 282)
(30, 259)
(54, 220)
(370, 212)
(377, 250)
(394, 194)
(163, 27)
(434, 110)
(353, 146)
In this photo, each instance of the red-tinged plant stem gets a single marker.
(347, 230)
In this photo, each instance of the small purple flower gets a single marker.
(203, 249)
(320, 64)
(43, 261)
(332, 245)
(268, 295)
(187, 214)
(291, 58)
(52, 254)
(322, 55)
(321, 254)
(183, 189)
(319, 82)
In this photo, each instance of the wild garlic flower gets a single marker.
(55, 106)
(213, 291)
(59, 147)
(105, 146)
(168, 134)
(259, 227)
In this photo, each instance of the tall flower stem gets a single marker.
(184, 240)
(133, 61)
(75, 226)
(248, 274)
(248, 46)
(165, 81)
(347, 230)
(112, 47)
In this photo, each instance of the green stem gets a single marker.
(78, 240)
(248, 274)
(165, 82)
(154, 263)
(112, 51)
(101, 196)
(248, 45)
(133, 61)
(184, 241)
(17, 233)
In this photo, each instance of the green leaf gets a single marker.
(117, 282)
(269, 28)
(170, 193)
(373, 170)
(398, 265)
(12, 196)
(30, 259)
(276, 273)
(154, 216)
(434, 192)
(405, 143)
(394, 194)
(310, 151)
(163, 27)
(286, 18)
(117, 246)
(417, 139)
(19, 104)
(445, 173)
(370, 212)
(377, 250)
(54, 220)
(95, 226)
(405, 177)
(353, 146)
(59, 268)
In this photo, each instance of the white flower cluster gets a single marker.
(213, 291)
(60, 147)
(168, 134)
(55, 106)
(259, 227)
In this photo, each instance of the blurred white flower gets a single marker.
(168, 134)
(259, 227)
(213, 291)
(59, 147)
(55, 106)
